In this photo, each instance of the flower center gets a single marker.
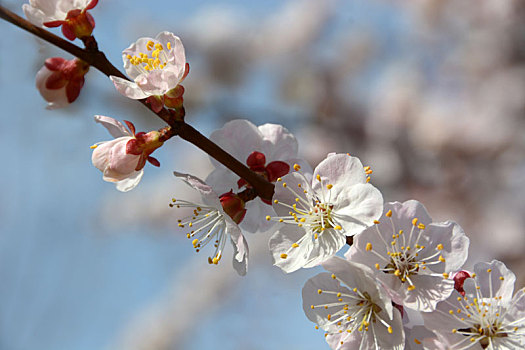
(155, 57)
(350, 310)
(206, 224)
(406, 253)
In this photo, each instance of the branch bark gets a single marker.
(98, 60)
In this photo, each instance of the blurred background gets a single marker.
(430, 93)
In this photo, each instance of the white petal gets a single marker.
(131, 182)
(279, 143)
(240, 249)
(239, 138)
(358, 206)
(200, 186)
(128, 88)
(281, 243)
(503, 288)
(428, 292)
(115, 128)
(341, 170)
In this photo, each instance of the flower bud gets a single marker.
(78, 22)
(233, 205)
(61, 80)
(459, 280)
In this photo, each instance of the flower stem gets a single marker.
(178, 127)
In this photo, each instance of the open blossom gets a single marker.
(411, 255)
(319, 214)
(487, 316)
(60, 81)
(215, 220)
(270, 150)
(72, 15)
(122, 159)
(352, 308)
(156, 67)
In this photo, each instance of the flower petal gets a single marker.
(128, 88)
(115, 128)
(131, 182)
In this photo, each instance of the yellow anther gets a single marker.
(268, 217)
(279, 179)
(302, 220)
(411, 287)
(397, 273)
(297, 199)
(445, 275)
(215, 261)
(94, 146)
(194, 242)
(328, 317)
(150, 44)
(312, 307)
(284, 184)
(333, 276)
(489, 270)
(390, 329)
(368, 247)
(319, 291)
(389, 213)
(329, 186)
(421, 226)
(441, 258)
(377, 222)
(439, 246)
(295, 245)
(414, 221)
(284, 256)
(275, 201)
(401, 232)
(281, 220)
(377, 266)
(338, 227)
(296, 167)
(501, 278)
(368, 179)
(318, 177)
(339, 294)
(158, 46)
(316, 236)
(369, 172)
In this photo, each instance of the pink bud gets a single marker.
(459, 280)
(60, 81)
(233, 205)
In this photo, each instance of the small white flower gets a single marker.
(487, 316)
(71, 15)
(412, 256)
(320, 214)
(155, 65)
(210, 223)
(270, 150)
(40, 11)
(352, 308)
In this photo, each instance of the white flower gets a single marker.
(270, 150)
(412, 256)
(487, 316)
(72, 15)
(352, 308)
(320, 214)
(210, 223)
(155, 65)
(122, 159)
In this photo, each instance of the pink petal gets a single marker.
(73, 89)
(115, 128)
(68, 32)
(54, 63)
(276, 170)
(128, 88)
(53, 24)
(91, 4)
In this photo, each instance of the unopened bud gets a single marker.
(233, 205)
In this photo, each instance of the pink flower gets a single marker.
(72, 15)
(60, 81)
(156, 66)
(122, 159)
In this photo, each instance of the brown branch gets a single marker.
(98, 60)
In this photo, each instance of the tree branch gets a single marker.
(98, 60)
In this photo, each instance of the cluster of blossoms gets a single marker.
(400, 284)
